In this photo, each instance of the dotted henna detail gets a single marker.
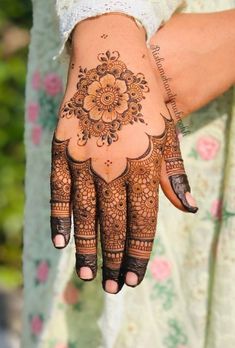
(175, 167)
(60, 174)
(172, 154)
(84, 215)
(60, 182)
(104, 36)
(108, 163)
(128, 213)
(107, 98)
(126, 209)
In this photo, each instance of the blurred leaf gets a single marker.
(12, 155)
(18, 12)
(10, 277)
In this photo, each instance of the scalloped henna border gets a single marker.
(159, 137)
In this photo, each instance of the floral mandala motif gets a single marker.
(107, 98)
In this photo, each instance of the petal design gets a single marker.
(121, 85)
(124, 96)
(93, 87)
(109, 116)
(88, 102)
(107, 79)
(95, 114)
(122, 107)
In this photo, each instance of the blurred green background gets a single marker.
(15, 23)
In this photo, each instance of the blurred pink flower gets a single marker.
(61, 345)
(36, 134)
(216, 209)
(36, 80)
(71, 294)
(33, 111)
(207, 147)
(52, 84)
(42, 271)
(160, 269)
(36, 325)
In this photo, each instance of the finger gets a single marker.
(60, 183)
(168, 190)
(112, 218)
(84, 217)
(174, 181)
(142, 209)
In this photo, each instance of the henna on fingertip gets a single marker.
(137, 266)
(180, 185)
(60, 183)
(175, 167)
(86, 261)
(60, 226)
(112, 274)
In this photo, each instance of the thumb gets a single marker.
(173, 179)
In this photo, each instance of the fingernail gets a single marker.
(192, 202)
(190, 199)
(85, 273)
(131, 279)
(59, 241)
(111, 286)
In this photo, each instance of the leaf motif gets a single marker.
(109, 139)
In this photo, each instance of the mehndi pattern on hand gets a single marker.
(126, 209)
(175, 167)
(88, 182)
(107, 98)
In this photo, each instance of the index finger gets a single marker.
(60, 182)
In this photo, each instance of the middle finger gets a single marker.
(112, 217)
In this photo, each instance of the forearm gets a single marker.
(198, 52)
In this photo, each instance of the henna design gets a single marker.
(108, 163)
(107, 98)
(143, 183)
(60, 182)
(172, 154)
(126, 209)
(175, 167)
(61, 226)
(84, 214)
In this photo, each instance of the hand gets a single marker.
(107, 150)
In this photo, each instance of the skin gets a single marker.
(198, 51)
(198, 61)
(197, 64)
